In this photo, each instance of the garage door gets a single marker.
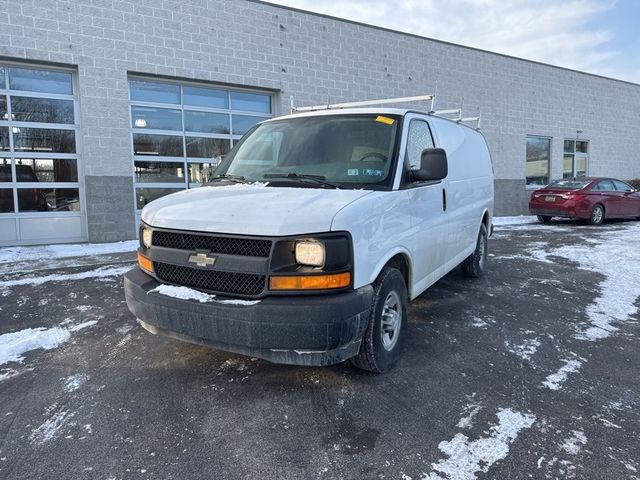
(40, 191)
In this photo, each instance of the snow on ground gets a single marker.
(519, 220)
(471, 410)
(572, 445)
(50, 427)
(618, 298)
(74, 382)
(526, 350)
(555, 380)
(467, 458)
(101, 272)
(48, 252)
(14, 345)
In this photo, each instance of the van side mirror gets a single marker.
(433, 166)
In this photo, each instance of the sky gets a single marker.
(595, 36)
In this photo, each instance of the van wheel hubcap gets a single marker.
(391, 320)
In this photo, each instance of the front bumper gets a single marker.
(298, 330)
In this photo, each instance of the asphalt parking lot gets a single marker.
(530, 372)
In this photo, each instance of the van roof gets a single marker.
(367, 110)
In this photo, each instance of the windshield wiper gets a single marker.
(302, 178)
(231, 178)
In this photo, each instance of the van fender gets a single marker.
(377, 269)
(488, 224)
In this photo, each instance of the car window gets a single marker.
(604, 185)
(418, 139)
(621, 186)
(569, 184)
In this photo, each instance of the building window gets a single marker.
(180, 131)
(576, 156)
(538, 159)
(38, 149)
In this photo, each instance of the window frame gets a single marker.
(575, 154)
(526, 146)
(13, 156)
(231, 137)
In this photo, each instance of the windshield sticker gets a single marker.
(373, 172)
(352, 171)
(387, 120)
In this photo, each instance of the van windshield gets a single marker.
(347, 151)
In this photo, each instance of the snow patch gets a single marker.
(21, 254)
(572, 445)
(14, 345)
(467, 458)
(555, 380)
(479, 323)
(8, 373)
(74, 382)
(467, 422)
(183, 293)
(518, 220)
(619, 294)
(49, 429)
(526, 350)
(186, 293)
(96, 273)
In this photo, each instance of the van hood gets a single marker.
(250, 209)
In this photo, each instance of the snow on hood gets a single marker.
(250, 209)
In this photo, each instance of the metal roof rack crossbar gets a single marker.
(366, 103)
(386, 101)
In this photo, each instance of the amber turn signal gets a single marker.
(145, 263)
(310, 282)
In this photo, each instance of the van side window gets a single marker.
(418, 138)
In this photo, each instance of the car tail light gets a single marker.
(573, 196)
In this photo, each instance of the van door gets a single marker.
(427, 204)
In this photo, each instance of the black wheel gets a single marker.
(475, 264)
(544, 218)
(597, 215)
(384, 338)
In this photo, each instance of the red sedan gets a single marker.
(592, 199)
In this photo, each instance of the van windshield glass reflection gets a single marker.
(350, 151)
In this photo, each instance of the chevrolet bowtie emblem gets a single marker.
(202, 259)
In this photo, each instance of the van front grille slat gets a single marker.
(247, 247)
(232, 283)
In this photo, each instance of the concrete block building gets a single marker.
(106, 105)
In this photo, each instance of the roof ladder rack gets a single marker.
(385, 101)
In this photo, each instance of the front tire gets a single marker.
(544, 218)
(384, 338)
(597, 215)
(475, 265)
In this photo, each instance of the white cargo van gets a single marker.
(315, 233)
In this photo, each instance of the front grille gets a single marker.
(246, 247)
(247, 284)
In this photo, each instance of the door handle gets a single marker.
(444, 200)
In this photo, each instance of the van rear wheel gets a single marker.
(475, 264)
(384, 338)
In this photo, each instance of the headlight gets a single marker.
(146, 237)
(310, 252)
